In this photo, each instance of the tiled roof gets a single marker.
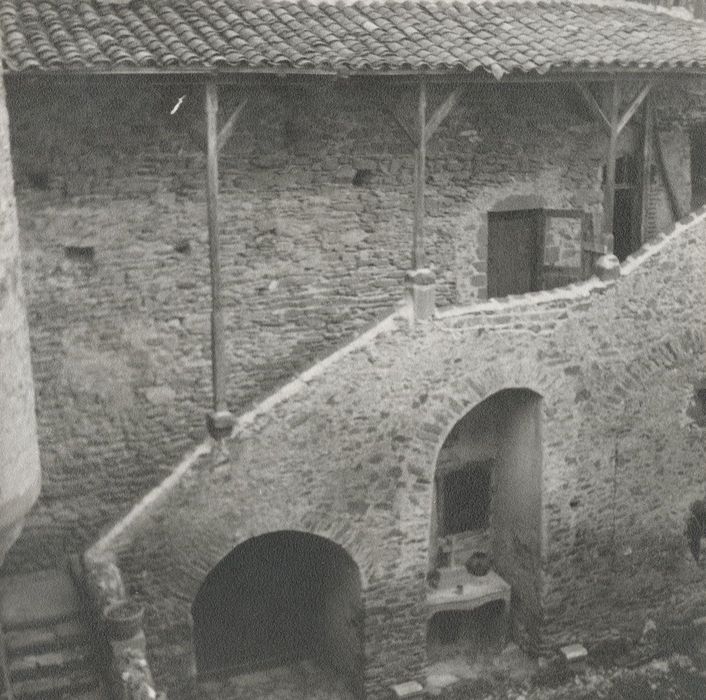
(398, 36)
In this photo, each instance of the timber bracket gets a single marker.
(614, 123)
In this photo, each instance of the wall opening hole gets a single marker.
(362, 177)
(183, 247)
(471, 632)
(39, 180)
(697, 139)
(575, 502)
(697, 408)
(465, 494)
(80, 253)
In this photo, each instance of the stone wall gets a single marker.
(351, 457)
(20, 475)
(316, 213)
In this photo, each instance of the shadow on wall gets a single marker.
(279, 598)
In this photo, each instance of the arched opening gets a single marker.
(486, 525)
(467, 632)
(277, 599)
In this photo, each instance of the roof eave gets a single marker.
(230, 73)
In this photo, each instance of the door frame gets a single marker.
(538, 215)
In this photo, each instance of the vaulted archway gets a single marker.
(279, 598)
(486, 522)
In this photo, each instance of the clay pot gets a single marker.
(123, 619)
(478, 564)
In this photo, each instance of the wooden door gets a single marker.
(515, 252)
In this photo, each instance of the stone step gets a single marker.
(50, 663)
(38, 599)
(34, 640)
(69, 686)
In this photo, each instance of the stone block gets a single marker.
(573, 653)
(408, 690)
(220, 424)
(422, 290)
(607, 268)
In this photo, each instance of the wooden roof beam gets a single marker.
(227, 129)
(593, 105)
(627, 115)
(391, 109)
(441, 112)
(634, 105)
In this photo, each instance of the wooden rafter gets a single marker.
(391, 109)
(674, 205)
(419, 136)
(634, 105)
(593, 104)
(627, 115)
(441, 112)
(225, 133)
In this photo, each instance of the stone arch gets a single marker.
(280, 597)
(487, 504)
(528, 375)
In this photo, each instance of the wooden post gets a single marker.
(674, 204)
(609, 190)
(645, 171)
(418, 256)
(220, 421)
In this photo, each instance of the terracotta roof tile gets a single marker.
(502, 36)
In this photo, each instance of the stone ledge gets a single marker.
(577, 290)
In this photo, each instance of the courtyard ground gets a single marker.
(510, 676)
(674, 677)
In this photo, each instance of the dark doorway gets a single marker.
(515, 251)
(277, 599)
(626, 238)
(698, 166)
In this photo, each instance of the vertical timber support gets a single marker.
(420, 171)
(615, 123)
(645, 171)
(607, 266)
(609, 189)
(420, 279)
(674, 205)
(219, 421)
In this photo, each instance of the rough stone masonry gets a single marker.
(316, 209)
(351, 457)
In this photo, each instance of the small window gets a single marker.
(80, 253)
(465, 498)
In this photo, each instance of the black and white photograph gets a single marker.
(353, 350)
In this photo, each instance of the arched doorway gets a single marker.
(486, 524)
(280, 598)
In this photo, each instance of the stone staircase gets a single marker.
(49, 649)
